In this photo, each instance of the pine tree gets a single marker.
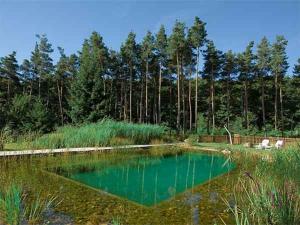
(177, 44)
(296, 70)
(279, 67)
(197, 38)
(43, 64)
(212, 66)
(115, 71)
(27, 77)
(62, 73)
(228, 70)
(246, 69)
(161, 45)
(147, 55)
(9, 84)
(9, 72)
(294, 96)
(87, 100)
(129, 50)
(263, 65)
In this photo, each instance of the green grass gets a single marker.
(104, 133)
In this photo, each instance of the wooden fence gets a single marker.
(238, 139)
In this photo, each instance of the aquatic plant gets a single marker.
(10, 205)
(103, 133)
(16, 207)
(264, 202)
(269, 195)
(116, 221)
(34, 210)
(283, 164)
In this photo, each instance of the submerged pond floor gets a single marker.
(133, 187)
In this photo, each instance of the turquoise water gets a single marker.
(149, 180)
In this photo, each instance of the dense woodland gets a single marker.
(159, 80)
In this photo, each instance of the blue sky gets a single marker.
(230, 24)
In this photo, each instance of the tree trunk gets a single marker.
(178, 94)
(246, 104)
(275, 103)
(39, 86)
(263, 103)
(122, 103)
(213, 105)
(59, 93)
(212, 94)
(146, 89)
(111, 97)
(281, 106)
(159, 94)
(137, 108)
(30, 89)
(228, 100)
(8, 89)
(125, 106)
(190, 102)
(183, 96)
(141, 102)
(196, 89)
(130, 94)
(170, 102)
(154, 99)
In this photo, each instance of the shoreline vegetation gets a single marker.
(270, 192)
(101, 134)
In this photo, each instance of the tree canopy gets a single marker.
(154, 81)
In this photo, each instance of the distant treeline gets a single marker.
(156, 81)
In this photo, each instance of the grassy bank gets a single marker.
(269, 192)
(104, 133)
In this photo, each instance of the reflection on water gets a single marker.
(149, 180)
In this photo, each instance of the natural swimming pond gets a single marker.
(133, 186)
(150, 180)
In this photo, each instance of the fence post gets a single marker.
(236, 139)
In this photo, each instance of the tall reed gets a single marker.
(16, 208)
(99, 134)
(10, 206)
(271, 194)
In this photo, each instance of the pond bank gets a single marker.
(78, 150)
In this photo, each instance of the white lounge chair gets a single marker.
(279, 144)
(264, 144)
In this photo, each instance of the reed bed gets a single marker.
(104, 133)
(270, 193)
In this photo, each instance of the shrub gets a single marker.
(29, 114)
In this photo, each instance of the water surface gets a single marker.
(149, 180)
